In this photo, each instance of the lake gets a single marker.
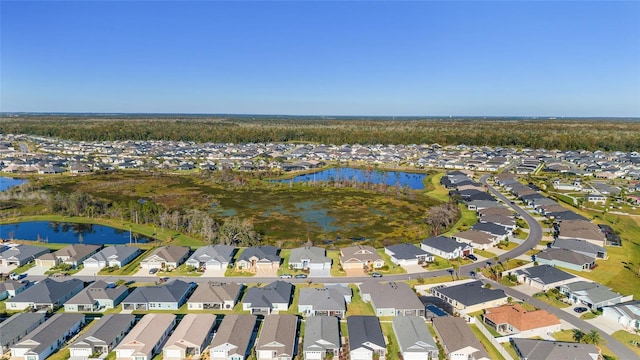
(7, 182)
(411, 180)
(68, 233)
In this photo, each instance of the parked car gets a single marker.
(285, 276)
(471, 257)
(376, 274)
(16, 277)
(163, 279)
(301, 276)
(153, 271)
(580, 309)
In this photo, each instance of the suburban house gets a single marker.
(11, 288)
(102, 337)
(169, 296)
(545, 349)
(513, 319)
(477, 239)
(330, 301)
(507, 222)
(278, 338)
(446, 247)
(166, 258)
(215, 296)
(72, 255)
(234, 338)
(48, 337)
(457, 339)
(321, 337)
(271, 298)
(582, 230)
(407, 254)
(543, 277)
(97, 297)
(591, 294)
(360, 257)
(566, 258)
(470, 297)
(626, 314)
(581, 247)
(500, 232)
(19, 254)
(258, 257)
(112, 256)
(212, 257)
(365, 338)
(309, 258)
(414, 339)
(391, 299)
(144, 341)
(46, 293)
(190, 337)
(17, 327)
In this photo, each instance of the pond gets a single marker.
(68, 233)
(7, 182)
(401, 178)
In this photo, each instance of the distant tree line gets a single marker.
(230, 231)
(576, 134)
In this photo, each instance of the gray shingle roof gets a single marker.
(261, 252)
(170, 292)
(363, 330)
(321, 333)
(49, 331)
(395, 295)
(276, 292)
(443, 243)
(471, 293)
(543, 349)
(278, 334)
(412, 334)
(23, 253)
(215, 292)
(47, 291)
(212, 253)
(116, 252)
(316, 255)
(322, 298)
(99, 290)
(406, 251)
(17, 325)
(545, 274)
(565, 255)
(456, 334)
(236, 330)
(581, 246)
(108, 328)
(490, 228)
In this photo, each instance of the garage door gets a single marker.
(171, 353)
(316, 266)
(92, 265)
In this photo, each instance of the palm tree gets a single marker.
(593, 337)
(578, 335)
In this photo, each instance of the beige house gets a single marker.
(144, 341)
(277, 338)
(166, 257)
(360, 257)
(190, 338)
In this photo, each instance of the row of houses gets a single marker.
(29, 336)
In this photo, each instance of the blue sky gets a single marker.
(538, 58)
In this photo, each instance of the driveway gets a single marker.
(7, 269)
(605, 324)
(214, 273)
(88, 272)
(267, 272)
(412, 269)
(37, 270)
(354, 272)
(319, 273)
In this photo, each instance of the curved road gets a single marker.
(535, 236)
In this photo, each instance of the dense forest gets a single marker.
(577, 134)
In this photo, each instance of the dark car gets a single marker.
(301, 276)
(153, 271)
(471, 257)
(376, 274)
(580, 309)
